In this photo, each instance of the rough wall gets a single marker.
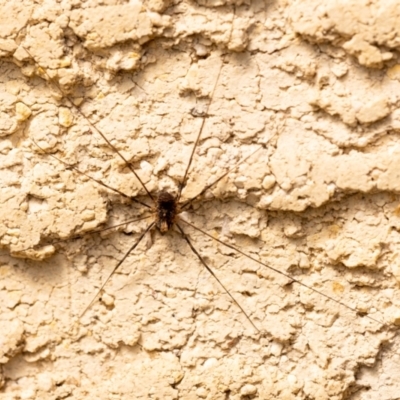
(313, 87)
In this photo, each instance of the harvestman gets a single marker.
(167, 207)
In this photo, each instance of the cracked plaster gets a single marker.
(316, 83)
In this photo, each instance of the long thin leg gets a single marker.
(91, 177)
(190, 201)
(183, 183)
(78, 110)
(117, 266)
(213, 274)
(81, 235)
(282, 273)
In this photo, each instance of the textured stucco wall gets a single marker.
(316, 83)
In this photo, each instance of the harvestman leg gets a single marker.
(132, 248)
(91, 177)
(213, 274)
(281, 273)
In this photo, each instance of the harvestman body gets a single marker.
(166, 211)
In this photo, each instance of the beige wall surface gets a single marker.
(297, 108)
